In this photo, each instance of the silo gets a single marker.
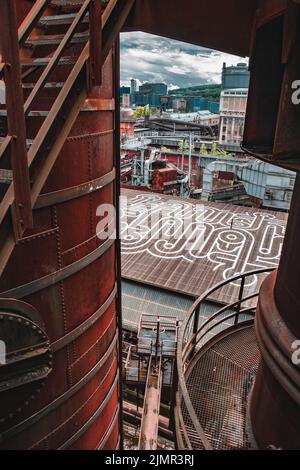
(60, 387)
(235, 76)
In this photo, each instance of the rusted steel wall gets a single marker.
(69, 276)
(226, 26)
(23, 8)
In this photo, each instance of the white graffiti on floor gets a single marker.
(233, 242)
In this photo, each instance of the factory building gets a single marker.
(261, 184)
(153, 89)
(189, 104)
(233, 103)
(133, 86)
(127, 120)
(232, 116)
(205, 118)
(148, 94)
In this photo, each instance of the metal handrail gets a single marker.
(31, 19)
(216, 314)
(187, 343)
(57, 55)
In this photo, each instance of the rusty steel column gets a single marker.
(275, 400)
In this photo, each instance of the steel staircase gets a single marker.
(49, 66)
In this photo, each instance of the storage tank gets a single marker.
(235, 76)
(60, 386)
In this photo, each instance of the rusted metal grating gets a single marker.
(219, 386)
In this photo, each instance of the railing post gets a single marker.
(241, 293)
(95, 62)
(22, 214)
(195, 327)
(174, 390)
(157, 339)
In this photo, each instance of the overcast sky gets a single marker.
(155, 59)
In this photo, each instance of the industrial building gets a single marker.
(227, 378)
(233, 103)
(205, 118)
(133, 86)
(261, 184)
(215, 176)
(148, 94)
(232, 116)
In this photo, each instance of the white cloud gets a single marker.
(151, 58)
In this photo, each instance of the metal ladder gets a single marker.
(57, 38)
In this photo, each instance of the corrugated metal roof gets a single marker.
(221, 240)
(138, 299)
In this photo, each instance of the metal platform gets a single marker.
(219, 385)
(217, 361)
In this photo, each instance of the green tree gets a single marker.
(214, 148)
(139, 112)
(142, 111)
(184, 146)
(203, 149)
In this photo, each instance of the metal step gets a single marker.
(59, 24)
(57, 20)
(55, 40)
(66, 5)
(47, 93)
(6, 176)
(44, 61)
(43, 114)
(30, 86)
(70, 5)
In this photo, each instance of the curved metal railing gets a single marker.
(192, 337)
